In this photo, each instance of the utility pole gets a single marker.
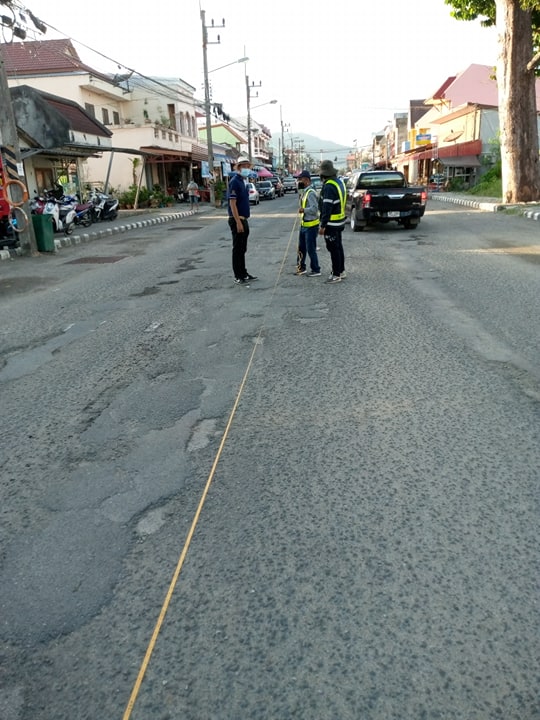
(283, 126)
(249, 96)
(11, 155)
(207, 99)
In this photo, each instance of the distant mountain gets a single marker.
(316, 147)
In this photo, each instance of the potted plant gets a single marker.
(220, 190)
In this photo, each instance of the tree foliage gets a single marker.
(485, 11)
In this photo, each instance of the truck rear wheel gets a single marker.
(409, 224)
(356, 225)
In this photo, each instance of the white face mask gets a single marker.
(244, 172)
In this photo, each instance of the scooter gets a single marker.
(84, 214)
(105, 207)
(181, 195)
(63, 215)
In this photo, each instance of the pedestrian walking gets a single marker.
(239, 211)
(332, 218)
(309, 227)
(193, 192)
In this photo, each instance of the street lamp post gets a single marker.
(240, 60)
(249, 88)
(283, 126)
(207, 100)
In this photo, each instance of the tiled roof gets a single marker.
(78, 119)
(39, 57)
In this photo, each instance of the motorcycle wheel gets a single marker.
(68, 229)
(86, 220)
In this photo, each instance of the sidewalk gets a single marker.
(126, 220)
(531, 211)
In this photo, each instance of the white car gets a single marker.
(254, 197)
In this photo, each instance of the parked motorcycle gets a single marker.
(105, 207)
(51, 203)
(84, 212)
(181, 195)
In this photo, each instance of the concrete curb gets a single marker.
(62, 241)
(487, 205)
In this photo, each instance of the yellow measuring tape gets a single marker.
(187, 543)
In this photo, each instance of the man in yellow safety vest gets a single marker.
(332, 221)
(309, 227)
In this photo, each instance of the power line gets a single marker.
(170, 94)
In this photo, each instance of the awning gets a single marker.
(165, 153)
(460, 161)
(199, 152)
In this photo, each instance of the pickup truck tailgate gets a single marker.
(394, 200)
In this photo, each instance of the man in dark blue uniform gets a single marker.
(332, 221)
(239, 210)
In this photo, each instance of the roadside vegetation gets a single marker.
(490, 184)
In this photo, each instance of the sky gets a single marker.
(337, 71)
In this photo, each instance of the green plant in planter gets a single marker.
(157, 197)
(220, 190)
(127, 198)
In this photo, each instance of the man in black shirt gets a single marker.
(239, 211)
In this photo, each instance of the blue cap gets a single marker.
(306, 174)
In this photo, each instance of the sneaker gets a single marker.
(250, 277)
(240, 281)
(343, 275)
(314, 274)
(334, 279)
(300, 272)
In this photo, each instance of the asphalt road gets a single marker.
(293, 500)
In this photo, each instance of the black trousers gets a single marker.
(239, 247)
(334, 245)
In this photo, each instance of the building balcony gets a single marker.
(105, 89)
(136, 135)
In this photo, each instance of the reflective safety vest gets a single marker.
(303, 202)
(338, 217)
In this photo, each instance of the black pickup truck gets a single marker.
(382, 196)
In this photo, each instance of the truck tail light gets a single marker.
(423, 198)
(366, 200)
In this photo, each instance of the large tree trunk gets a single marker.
(517, 104)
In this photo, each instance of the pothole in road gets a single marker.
(151, 522)
(413, 238)
(99, 259)
(185, 227)
(202, 434)
(185, 265)
(147, 291)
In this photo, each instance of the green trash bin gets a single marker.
(44, 232)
